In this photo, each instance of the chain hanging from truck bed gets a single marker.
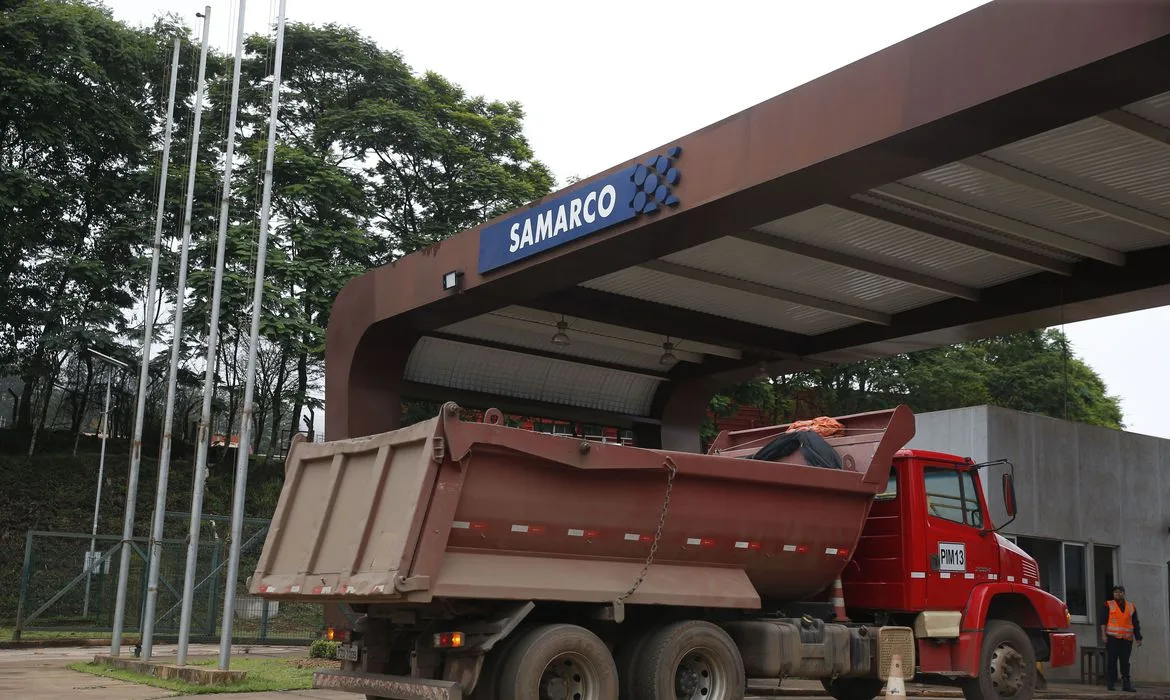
(619, 604)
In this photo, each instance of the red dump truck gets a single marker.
(490, 562)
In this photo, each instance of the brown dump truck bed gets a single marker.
(452, 509)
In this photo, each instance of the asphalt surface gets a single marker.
(43, 674)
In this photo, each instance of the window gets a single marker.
(1063, 572)
(952, 495)
(1076, 585)
(1104, 575)
(891, 491)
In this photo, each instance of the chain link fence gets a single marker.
(60, 593)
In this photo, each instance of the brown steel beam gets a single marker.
(671, 321)
(854, 262)
(954, 235)
(1138, 125)
(766, 290)
(547, 354)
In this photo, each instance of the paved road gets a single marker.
(42, 674)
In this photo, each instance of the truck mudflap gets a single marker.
(393, 687)
(1062, 649)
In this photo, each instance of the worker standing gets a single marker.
(1119, 630)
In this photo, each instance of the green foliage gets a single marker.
(322, 649)
(1034, 371)
(372, 162)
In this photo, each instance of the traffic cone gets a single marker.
(896, 683)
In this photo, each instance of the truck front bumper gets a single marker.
(394, 687)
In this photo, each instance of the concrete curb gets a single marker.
(59, 643)
(199, 675)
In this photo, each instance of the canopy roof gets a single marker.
(1006, 170)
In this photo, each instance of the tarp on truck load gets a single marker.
(451, 509)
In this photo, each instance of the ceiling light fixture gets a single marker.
(561, 337)
(668, 357)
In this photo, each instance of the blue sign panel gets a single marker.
(639, 189)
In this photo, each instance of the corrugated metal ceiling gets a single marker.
(470, 367)
(1095, 154)
(1001, 196)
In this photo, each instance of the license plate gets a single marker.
(346, 652)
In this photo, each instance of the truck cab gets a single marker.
(930, 557)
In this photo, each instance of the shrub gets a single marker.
(322, 649)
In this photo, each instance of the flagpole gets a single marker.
(164, 456)
(233, 571)
(144, 369)
(209, 372)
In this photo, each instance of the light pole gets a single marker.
(97, 502)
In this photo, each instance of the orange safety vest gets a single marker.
(1120, 622)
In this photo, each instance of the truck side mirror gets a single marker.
(1009, 495)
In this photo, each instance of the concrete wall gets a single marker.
(1080, 483)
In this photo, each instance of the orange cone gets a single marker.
(896, 684)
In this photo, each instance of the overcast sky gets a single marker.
(591, 80)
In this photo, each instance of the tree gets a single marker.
(1034, 371)
(74, 132)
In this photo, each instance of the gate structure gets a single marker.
(59, 592)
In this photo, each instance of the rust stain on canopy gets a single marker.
(864, 243)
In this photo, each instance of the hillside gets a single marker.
(55, 491)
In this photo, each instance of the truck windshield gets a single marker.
(952, 495)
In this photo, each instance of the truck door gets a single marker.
(958, 556)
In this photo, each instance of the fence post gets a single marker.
(213, 589)
(264, 618)
(25, 575)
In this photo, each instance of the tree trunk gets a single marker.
(24, 403)
(15, 406)
(79, 415)
(277, 393)
(40, 423)
(302, 390)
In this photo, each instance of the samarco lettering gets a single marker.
(594, 206)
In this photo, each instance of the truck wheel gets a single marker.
(691, 660)
(559, 661)
(1007, 665)
(853, 688)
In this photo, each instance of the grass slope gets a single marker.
(55, 491)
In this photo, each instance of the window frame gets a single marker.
(1085, 575)
(965, 484)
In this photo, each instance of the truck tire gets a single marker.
(690, 660)
(1007, 665)
(626, 655)
(559, 661)
(487, 687)
(853, 688)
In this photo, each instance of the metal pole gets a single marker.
(229, 601)
(144, 369)
(97, 503)
(164, 455)
(209, 373)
